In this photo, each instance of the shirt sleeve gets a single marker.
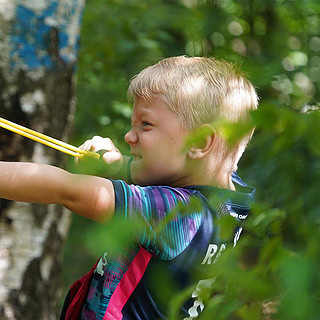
(152, 205)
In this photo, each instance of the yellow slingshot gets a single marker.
(46, 140)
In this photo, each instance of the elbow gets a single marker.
(92, 198)
(103, 207)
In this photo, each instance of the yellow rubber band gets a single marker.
(46, 140)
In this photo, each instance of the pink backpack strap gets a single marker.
(127, 285)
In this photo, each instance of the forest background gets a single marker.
(277, 44)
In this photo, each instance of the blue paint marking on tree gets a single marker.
(28, 40)
(30, 37)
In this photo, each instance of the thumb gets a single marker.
(110, 157)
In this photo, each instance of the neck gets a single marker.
(217, 176)
(220, 169)
(224, 180)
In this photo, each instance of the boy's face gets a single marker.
(156, 141)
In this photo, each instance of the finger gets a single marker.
(92, 144)
(96, 142)
(112, 157)
(99, 143)
(86, 145)
(108, 144)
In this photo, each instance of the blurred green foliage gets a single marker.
(273, 273)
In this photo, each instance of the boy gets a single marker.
(172, 99)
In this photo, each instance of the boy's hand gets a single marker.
(111, 162)
(111, 154)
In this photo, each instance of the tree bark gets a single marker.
(38, 50)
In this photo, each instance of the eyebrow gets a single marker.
(143, 113)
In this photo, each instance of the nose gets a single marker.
(131, 137)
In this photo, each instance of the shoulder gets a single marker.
(155, 201)
(163, 192)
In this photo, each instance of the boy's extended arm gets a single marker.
(89, 196)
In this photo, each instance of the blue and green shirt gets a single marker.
(166, 257)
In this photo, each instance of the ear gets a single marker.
(202, 142)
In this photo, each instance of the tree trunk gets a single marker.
(38, 49)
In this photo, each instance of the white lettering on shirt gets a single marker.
(103, 262)
(212, 250)
(193, 311)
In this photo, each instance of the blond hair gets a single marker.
(199, 90)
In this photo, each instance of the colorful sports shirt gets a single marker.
(180, 237)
